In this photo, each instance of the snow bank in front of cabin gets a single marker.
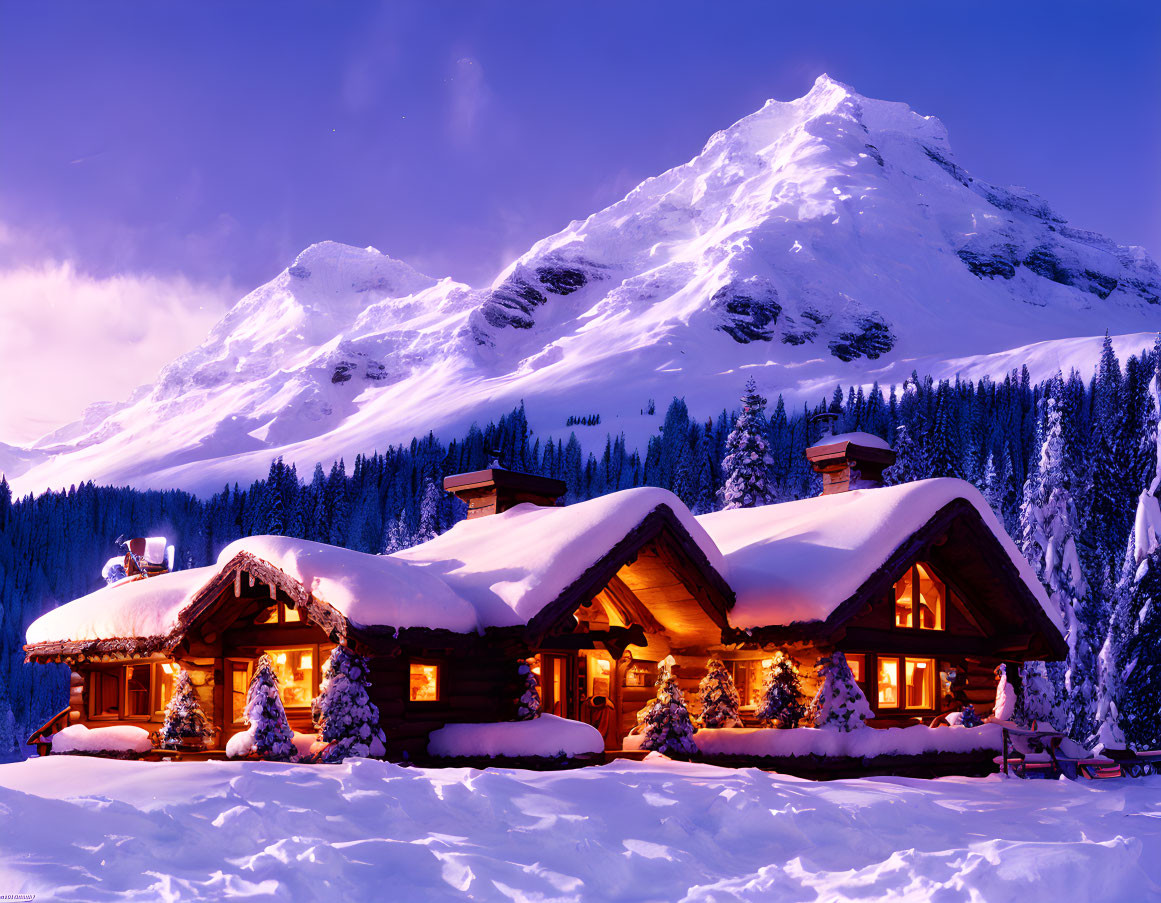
(367, 589)
(242, 744)
(132, 608)
(866, 743)
(96, 829)
(544, 735)
(118, 738)
(511, 565)
(798, 561)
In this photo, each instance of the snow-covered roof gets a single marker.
(511, 565)
(868, 440)
(798, 561)
(130, 608)
(367, 590)
(498, 571)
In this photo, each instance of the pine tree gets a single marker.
(719, 697)
(344, 717)
(782, 697)
(1048, 527)
(270, 733)
(668, 729)
(1036, 702)
(839, 704)
(528, 705)
(910, 463)
(184, 718)
(746, 466)
(969, 717)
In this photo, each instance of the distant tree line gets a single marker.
(990, 432)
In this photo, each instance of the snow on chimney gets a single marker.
(850, 461)
(495, 490)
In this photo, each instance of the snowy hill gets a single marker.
(830, 239)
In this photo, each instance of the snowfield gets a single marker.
(90, 829)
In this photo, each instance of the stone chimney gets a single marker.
(850, 461)
(495, 490)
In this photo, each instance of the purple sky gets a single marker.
(190, 150)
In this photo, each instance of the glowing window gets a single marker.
(270, 616)
(290, 615)
(889, 682)
(294, 669)
(239, 689)
(166, 677)
(424, 682)
(931, 595)
(920, 674)
(858, 665)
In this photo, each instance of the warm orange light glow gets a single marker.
(424, 682)
(920, 683)
(294, 669)
(888, 682)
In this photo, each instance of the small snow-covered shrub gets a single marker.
(968, 717)
(528, 705)
(839, 704)
(719, 697)
(782, 697)
(269, 735)
(184, 718)
(345, 719)
(668, 729)
(124, 740)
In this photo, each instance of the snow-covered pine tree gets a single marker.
(910, 464)
(839, 704)
(782, 697)
(1133, 647)
(1048, 527)
(746, 466)
(719, 697)
(528, 705)
(968, 717)
(184, 720)
(270, 733)
(1036, 702)
(668, 729)
(344, 717)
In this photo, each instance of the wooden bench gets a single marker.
(1029, 753)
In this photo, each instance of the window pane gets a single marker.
(166, 677)
(294, 669)
(920, 674)
(931, 599)
(858, 664)
(138, 685)
(425, 682)
(270, 616)
(290, 615)
(106, 689)
(889, 682)
(239, 686)
(904, 599)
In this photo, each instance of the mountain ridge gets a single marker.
(833, 238)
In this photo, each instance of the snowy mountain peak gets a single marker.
(832, 238)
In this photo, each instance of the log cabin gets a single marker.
(918, 584)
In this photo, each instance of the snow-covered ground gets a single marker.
(90, 829)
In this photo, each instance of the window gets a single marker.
(294, 669)
(747, 675)
(137, 685)
(105, 693)
(920, 589)
(918, 687)
(239, 684)
(424, 682)
(165, 676)
(281, 613)
(858, 663)
(889, 683)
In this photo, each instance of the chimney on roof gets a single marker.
(850, 460)
(495, 490)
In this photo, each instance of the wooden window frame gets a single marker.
(914, 626)
(901, 706)
(280, 618)
(440, 666)
(316, 672)
(121, 671)
(248, 666)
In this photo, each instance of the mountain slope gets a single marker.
(831, 238)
